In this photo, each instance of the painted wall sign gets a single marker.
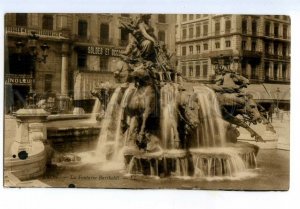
(103, 51)
(18, 79)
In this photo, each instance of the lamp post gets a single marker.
(32, 49)
(277, 99)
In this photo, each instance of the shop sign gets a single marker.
(18, 79)
(103, 51)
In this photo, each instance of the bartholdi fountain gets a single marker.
(154, 127)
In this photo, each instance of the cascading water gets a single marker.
(95, 111)
(211, 131)
(210, 155)
(108, 127)
(168, 119)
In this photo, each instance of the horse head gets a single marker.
(251, 109)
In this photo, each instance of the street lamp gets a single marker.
(35, 57)
(277, 97)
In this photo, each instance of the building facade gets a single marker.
(84, 51)
(262, 44)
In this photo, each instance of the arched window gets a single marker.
(47, 22)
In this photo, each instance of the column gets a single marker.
(64, 70)
(64, 100)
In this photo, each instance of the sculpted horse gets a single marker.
(141, 102)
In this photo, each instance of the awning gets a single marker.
(269, 92)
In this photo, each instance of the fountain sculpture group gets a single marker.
(158, 128)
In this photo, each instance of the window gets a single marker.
(204, 69)
(191, 49)
(81, 59)
(184, 33)
(267, 66)
(198, 16)
(47, 22)
(191, 16)
(205, 46)
(227, 26)
(183, 51)
(103, 64)
(191, 32)
(276, 16)
(21, 19)
(198, 31)
(162, 36)
(284, 71)
(183, 70)
(244, 26)
(275, 48)
(162, 18)
(217, 45)
(125, 15)
(267, 29)
(48, 83)
(217, 28)
(254, 27)
(284, 50)
(253, 46)
(82, 28)
(276, 29)
(205, 30)
(197, 70)
(284, 32)
(267, 47)
(275, 71)
(253, 72)
(244, 44)
(198, 48)
(205, 15)
(228, 43)
(124, 37)
(104, 33)
(191, 71)
(184, 17)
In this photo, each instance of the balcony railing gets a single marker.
(24, 31)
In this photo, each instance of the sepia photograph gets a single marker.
(147, 101)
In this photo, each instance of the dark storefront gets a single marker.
(19, 72)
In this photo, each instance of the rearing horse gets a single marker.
(141, 103)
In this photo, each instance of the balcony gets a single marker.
(252, 54)
(105, 41)
(25, 31)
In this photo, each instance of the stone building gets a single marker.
(83, 53)
(261, 42)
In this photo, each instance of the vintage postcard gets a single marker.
(185, 101)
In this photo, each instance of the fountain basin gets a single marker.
(226, 161)
(31, 167)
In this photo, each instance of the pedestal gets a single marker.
(64, 104)
(27, 158)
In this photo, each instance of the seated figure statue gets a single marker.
(144, 47)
